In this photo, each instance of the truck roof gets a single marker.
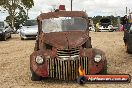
(62, 14)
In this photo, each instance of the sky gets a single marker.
(92, 7)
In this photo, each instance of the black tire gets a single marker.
(81, 80)
(35, 77)
(104, 71)
(22, 38)
(4, 38)
(10, 36)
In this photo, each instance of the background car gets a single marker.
(105, 25)
(5, 31)
(29, 30)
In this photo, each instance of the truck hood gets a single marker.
(66, 40)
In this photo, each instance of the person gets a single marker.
(97, 27)
(125, 22)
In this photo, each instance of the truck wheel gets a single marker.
(104, 71)
(35, 77)
(81, 80)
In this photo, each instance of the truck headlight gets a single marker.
(39, 60)
(97, 58)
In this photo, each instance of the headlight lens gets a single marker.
(39, 60)
(97, 58)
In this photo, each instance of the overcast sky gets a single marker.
(92, 7)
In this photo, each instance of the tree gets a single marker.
(19, 19)
(96, 19)
(14, 7)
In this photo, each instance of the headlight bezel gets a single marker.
(97, 58)
(39, 60)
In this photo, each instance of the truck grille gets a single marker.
(66, 70)
(68, 52)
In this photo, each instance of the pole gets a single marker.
(129, 14)
(126, 10)
(71, 5)
(118, 22)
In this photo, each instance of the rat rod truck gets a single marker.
(63, 47)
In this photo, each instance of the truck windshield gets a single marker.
(64, 24)
(1, 24)
(30, 23)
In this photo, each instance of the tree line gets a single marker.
(96, 19)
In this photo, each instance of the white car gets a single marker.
(106, 29)
(105, 25)
(29, 30)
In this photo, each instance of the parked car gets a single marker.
(105, 25)
(5, 31)
(29, 30)
(63, 48)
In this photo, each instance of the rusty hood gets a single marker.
(66, 40)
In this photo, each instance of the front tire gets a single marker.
(35, 77)
(104, 71)
(81, 80)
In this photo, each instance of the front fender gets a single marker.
(97, 67)
(94, 67)
(40, 70)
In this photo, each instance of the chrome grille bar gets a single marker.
(69, 52)
(66, 70)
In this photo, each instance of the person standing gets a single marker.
(97, 27)
(124, 22)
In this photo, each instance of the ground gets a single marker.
(14, 62)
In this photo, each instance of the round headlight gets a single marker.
(39, 60)
(97, 58)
